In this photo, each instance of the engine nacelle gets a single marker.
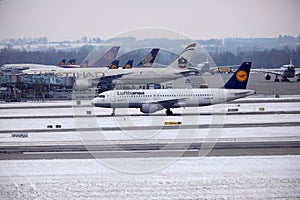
(151, 108)
(82, 84)
(267, 77)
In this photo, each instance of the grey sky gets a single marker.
(199, 19)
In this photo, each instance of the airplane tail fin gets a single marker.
(71, 62)
(107, 58)
(85, 64)
(62, 62)
(148, 60)
(240, 78)
(181, 62)
(114, 64)
(128, 65)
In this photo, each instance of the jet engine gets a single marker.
(82, 84)
(151, 108)
(267, 77)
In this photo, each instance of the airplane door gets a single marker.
(113, 97)
(220, 96)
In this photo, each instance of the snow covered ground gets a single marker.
(31, 122)
(266, 177)
(244, 177)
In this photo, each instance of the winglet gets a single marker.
(240, 78)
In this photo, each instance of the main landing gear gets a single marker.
(169, 112)
(276, 79)
(113, 112)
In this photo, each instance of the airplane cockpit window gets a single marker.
(102, 96)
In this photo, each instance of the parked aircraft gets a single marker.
(150, 101)
(285, 71)
(147, 61)
(103, 61)
(69, 64)
(178, 69)
(108, 78)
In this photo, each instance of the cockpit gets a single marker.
(101, 96)
(288, 67)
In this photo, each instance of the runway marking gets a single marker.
(154, 115)
(149, 150)
(162, 127)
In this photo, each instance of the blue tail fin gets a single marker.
(62, 62)
(148, 60)
(107, 58)
(240, 78)
(114, 64)
(71, 62)
(85, 64)
(128, 65)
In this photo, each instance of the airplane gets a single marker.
(107, 78)
(177, 69)
(285, 71)
(69, 64)
(153, 100)
(106, 59)
(147, 61)
(103, 61)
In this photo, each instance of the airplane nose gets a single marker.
(93, 101)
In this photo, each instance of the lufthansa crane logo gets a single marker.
(109, 56)
(241, 75)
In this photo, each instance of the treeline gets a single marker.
(267, 59)
(261, 59)
(51, 57)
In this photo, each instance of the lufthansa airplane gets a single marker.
(103, 61)
(150, 101)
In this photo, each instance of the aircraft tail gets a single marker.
(240, 78)
(181, 62)
(114, 64)
(148, 60)
(85, 64)
(71, 62)
(107, 58)
(62, 62)
(128, 65)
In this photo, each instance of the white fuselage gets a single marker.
(167, 98)
(127, 76)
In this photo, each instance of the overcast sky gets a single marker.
(199, 19)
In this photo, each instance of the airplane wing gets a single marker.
(169, 103)
(267, 71)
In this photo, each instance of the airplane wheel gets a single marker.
(169, 112)
(276, 80)
(298, 80)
